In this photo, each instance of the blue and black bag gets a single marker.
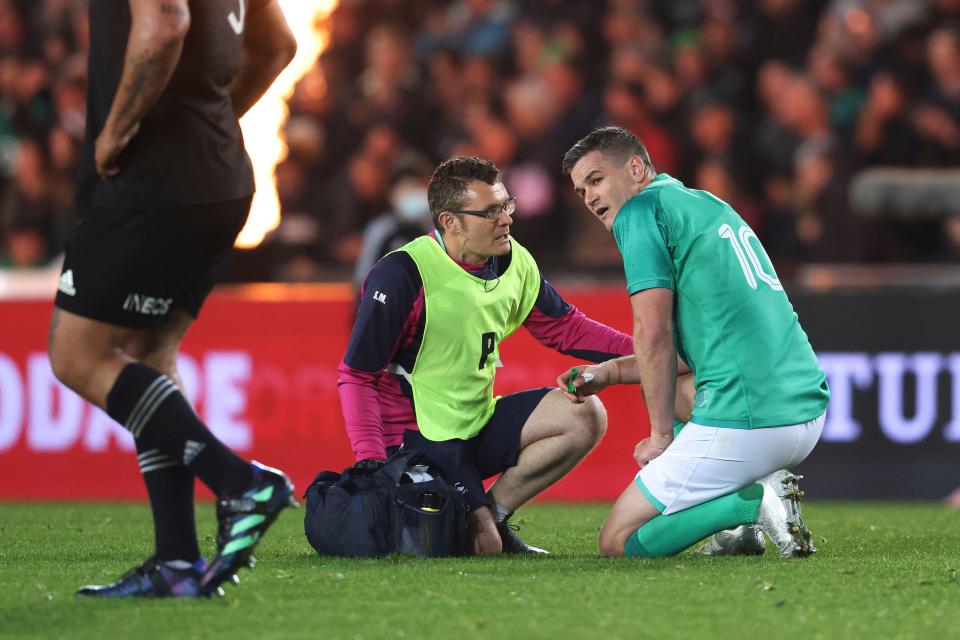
(404, 506)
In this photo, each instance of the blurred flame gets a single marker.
(263, 124)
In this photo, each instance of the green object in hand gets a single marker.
(573, 374)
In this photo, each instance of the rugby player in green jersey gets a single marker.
(705, 295)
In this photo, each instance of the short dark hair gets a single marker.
(615, 141)
(448, 186)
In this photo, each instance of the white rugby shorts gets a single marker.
(703, 463)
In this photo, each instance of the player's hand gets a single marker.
(584, 380)
(646, 450)
(108, 148)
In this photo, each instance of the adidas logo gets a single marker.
(66, 283)
(191, 450)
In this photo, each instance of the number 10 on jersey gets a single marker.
(748, 258)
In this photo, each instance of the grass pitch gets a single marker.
(883, 571)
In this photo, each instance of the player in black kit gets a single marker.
(165, 186)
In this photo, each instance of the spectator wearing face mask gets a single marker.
(407, 219)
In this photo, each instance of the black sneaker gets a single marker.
(243, 519)
(151, 579)
(512, 542)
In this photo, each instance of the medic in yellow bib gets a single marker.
(424, 350)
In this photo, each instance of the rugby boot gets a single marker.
(780, 514)
(512, 542)
(243, 519)
(745, 540)
(151, 579)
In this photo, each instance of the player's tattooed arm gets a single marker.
(157, 31)
(268, 47)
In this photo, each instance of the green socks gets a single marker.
(668, 535)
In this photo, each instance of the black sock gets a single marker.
(170, 487)
(149, 404)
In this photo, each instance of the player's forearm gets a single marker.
(254, 78)
(656, 363)
(268, 46)
(153, 51)
(625, 370)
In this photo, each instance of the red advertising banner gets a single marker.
(260, 366)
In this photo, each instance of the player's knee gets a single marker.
(592, 420)
(74, 364)
(65, 368)
(66, 353)
(71, 369)
(611, 544)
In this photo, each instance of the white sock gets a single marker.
(500, 512)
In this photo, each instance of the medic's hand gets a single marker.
(364, 467)
(584, 380)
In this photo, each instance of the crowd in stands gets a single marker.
(772, 105)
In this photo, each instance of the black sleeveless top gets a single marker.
(189, 148)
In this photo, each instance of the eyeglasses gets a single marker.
(493, 212)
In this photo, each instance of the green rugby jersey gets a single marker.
(753, 365)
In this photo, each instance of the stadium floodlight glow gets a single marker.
(263, 124)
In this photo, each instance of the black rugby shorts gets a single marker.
(132, 267)
(467, 463)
